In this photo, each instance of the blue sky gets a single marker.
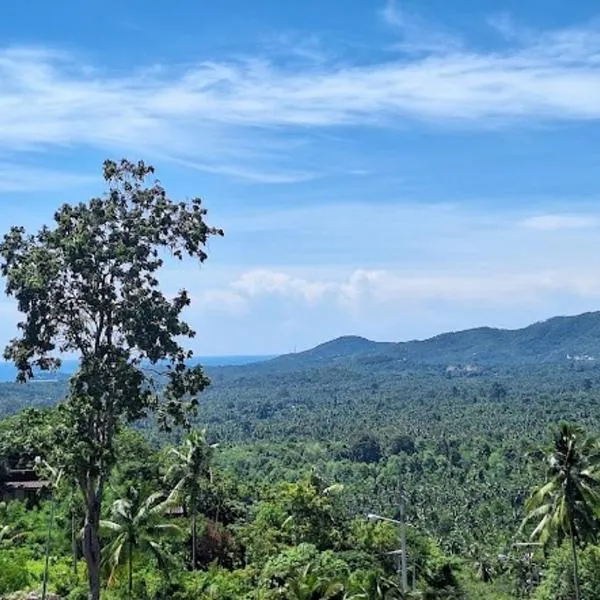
(386, 169)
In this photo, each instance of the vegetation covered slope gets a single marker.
(556, 340)
(463, 446)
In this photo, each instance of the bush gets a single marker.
(14, 575)
(216, 583)
(61, 578)
(292, 560)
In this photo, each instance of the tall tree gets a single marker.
(567, 504)
(137, 525)
(89, 285)
(191, 470)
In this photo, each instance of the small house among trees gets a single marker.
(22, 484)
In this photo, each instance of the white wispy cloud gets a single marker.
(229, 116)
(417, 35)
(560, 221)
(264, 281)
(504, 24)
(221, 300)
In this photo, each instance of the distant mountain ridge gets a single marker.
(556, 340)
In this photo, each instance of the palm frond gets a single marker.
(113, 560)
(110, 526)
(162, 558)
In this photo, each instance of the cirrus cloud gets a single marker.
(230, 115)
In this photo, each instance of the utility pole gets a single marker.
(403, 545)
(402, 566)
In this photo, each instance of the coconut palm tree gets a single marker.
(308, 585)
(136, 526)
(483, 563)
(567, 504)
(377, 587)
(191, 470)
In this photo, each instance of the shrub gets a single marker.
(14, 575)
(216, 583)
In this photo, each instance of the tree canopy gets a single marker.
(89, 285)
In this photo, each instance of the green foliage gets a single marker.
(568, 504)
(19, 571)
(300, 560)
(402, 444)
(558, 579)
(441, 578)
(14, 575)
(137, 463)
(190, 474)
(365, 448)
(307, 584)
(138, 525)
(217, 584)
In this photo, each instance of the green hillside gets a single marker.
(557, 340)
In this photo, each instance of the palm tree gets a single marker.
(377, 587)
(308, 585)
(567, 504)
(484, 566)
(191, 470)
(137, 523)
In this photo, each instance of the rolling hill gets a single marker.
(557, 340)
(348, 362)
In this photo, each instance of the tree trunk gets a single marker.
(74, 550)
(91, 544)
(48, 541)
(194, 536)
(575, 564)
(130, 565)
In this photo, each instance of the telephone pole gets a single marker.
(403, 563)
(403, 545)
